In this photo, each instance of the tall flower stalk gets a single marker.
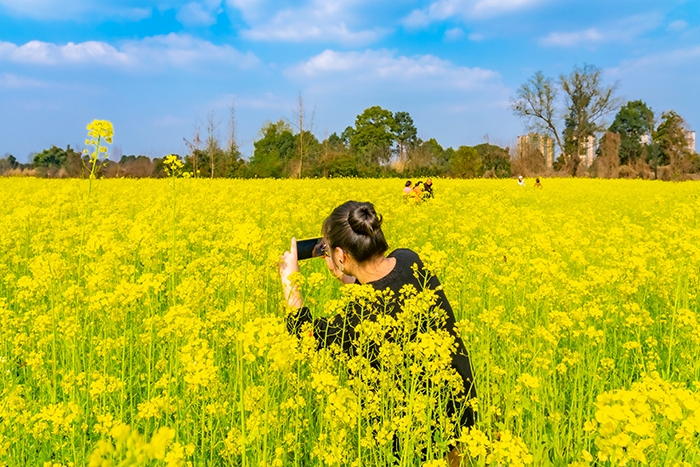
(173, 167)
(99, 133)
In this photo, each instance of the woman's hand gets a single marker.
(289, 264)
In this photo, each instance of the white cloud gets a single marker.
(677, 25)
(495, 7)
(196, 14)
(454, 34)
(184, 50)
(12, 81)
(77, 10)
(177, 50)
(385, 66)
(252, 10)
(45, 53)
(441, 10)
(666, 62)
(568, 39)
(624, 30)
(317, 21)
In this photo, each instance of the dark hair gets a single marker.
(408, 183)
(356, 228)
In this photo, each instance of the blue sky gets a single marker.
(157, 68)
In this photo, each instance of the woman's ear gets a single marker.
(340, 254)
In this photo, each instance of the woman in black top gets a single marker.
(355, 248)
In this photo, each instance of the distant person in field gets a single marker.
(418, 191)
(521, 182)
(428, 188)
(407, 188)
(537, 183)
(356, 254)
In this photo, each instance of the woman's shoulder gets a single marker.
(405, 255)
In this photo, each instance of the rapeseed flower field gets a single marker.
(143, 324)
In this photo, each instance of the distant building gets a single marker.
(589, 153)
(690, 138)
(545, 144)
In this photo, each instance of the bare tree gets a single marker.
(536, 102)
(232, 146)
(212, 141)
(587, 102)
(300, 116)
(193, 146)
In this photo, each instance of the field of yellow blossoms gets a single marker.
(143, 325)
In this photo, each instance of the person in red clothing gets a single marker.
(356, 253)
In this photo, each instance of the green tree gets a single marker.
(135, 166)
(465, 163)
(54, 157)
(335, 159)
(495, 159)
(273, 150)
(607, 164)
(425, 157)
(632, 121)
(405, 133)
(346, 135)
(8, 162)
(672, 143)
(49, 161)
(373, 135)
(307, 155)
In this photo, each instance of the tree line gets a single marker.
(633, 145)
(570, 111)
(380, 144)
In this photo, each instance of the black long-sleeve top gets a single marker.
(341, 329)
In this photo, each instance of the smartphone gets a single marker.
(310, 248)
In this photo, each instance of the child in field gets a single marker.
(521, 182)
(537, 183)
(418, 192)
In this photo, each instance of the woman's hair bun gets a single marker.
(356, 228)
(363, 220)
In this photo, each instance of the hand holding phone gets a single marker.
(288, 265)
(310, 248)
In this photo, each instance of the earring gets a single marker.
(342, 266)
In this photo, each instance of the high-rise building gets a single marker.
(690, 139)
(589, 154)
(533, 141)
